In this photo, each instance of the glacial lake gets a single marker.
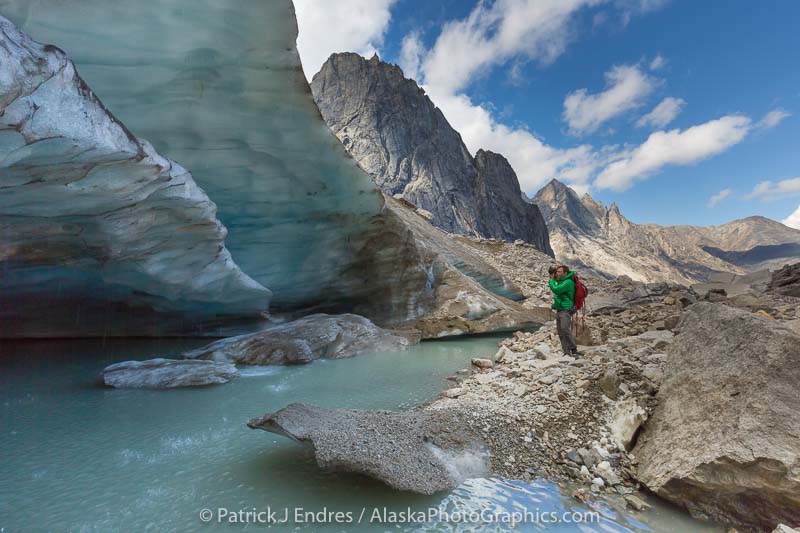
(79, 457)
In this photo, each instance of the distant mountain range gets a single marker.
(394, 131)
(588, 235)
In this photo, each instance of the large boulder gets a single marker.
(733, 284)
(419, 451)
(304, 340)
(786, 281)
(724, 441)
(624, 293)
(167, 374)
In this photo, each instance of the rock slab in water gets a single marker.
(724, 440)
(304, 340)
(416, 451)
(167, 374)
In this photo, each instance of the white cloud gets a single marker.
(522, 30)
(629, 8)
(491, 35)
(658, 62)
(793, 220)
(674, 147)
(627, 87)
(341, 26)
(717, 198)
(494, 33)
(769, 190)
(411, 55)
(773, 118)
(662, 114)
(533, 160)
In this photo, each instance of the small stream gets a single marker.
(80, 457)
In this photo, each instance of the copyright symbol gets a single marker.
(206, 515)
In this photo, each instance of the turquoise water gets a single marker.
(80, 457)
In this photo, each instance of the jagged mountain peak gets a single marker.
(396, 133)
(597, 208)
(556, 193)
(562, 207)
(555, 189)
(350, 60)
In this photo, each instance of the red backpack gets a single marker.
(581, 292)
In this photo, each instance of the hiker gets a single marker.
(563, 287)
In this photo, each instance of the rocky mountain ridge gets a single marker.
(599, 239)
(394, 131)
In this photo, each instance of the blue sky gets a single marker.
(658, 105)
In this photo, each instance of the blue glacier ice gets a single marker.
(218, 87)
(258, 199)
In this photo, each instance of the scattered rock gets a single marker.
(715, 295)
(786, 281)
(609, 384)
(167, 374)
(764, 314)
(626, 418)
(482, 363)
(636, 503)
(454, 392)
(783, 528)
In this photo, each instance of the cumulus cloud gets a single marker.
(494, 33)
(793, 220)
(658, 62)
(674, 147)
(662, 114)
(770, 190)
(629, 8)
(626, 88)
(341, 26)
(717, 198)
(773, 118)
(410, 55)
(533, 160)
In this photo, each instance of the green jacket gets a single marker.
(563, 292)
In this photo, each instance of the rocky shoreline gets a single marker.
(587, 423)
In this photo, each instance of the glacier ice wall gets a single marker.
(92, 217)
(218, 86)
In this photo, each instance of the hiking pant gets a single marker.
(565, 335)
